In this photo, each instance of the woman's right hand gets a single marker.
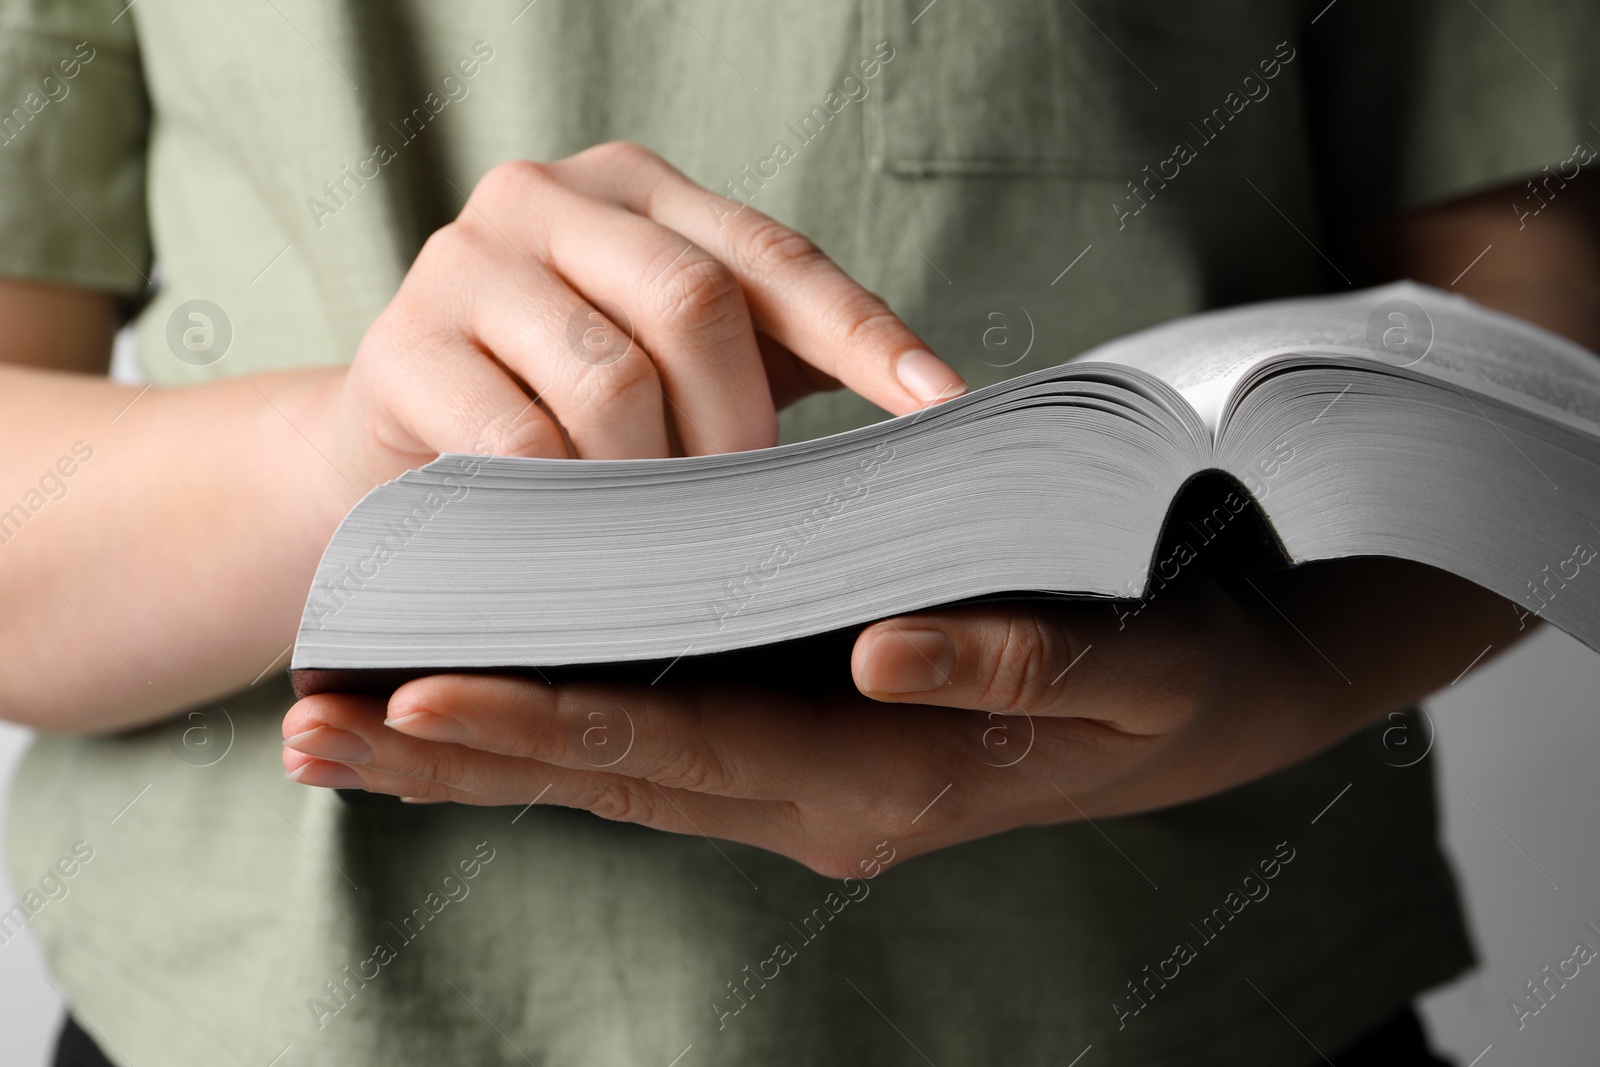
(606, 307)
(726, 316)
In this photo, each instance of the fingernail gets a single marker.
(908, 661)
(927, 377)
(325, 742)
(430, 726)
(325, 775)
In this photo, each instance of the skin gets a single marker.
(727, 323)
(1207, 688)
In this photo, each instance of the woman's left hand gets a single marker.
(968, 722)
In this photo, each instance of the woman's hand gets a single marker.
(606, 307)
(968, 722)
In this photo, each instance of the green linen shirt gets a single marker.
(1082, 169)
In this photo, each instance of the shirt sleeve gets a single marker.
(74, 119)
(1417, 102)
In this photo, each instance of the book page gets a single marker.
(1506, 358)
(1437, 335)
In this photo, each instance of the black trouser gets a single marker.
(1400, 1042)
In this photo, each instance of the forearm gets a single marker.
(1544, 269)
(171, 565)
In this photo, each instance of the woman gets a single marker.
(356, 272)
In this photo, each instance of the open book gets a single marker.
(1399, 421)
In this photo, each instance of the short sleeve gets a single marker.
(1416, 102)
(74, 120)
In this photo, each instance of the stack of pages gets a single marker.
(1399, 421)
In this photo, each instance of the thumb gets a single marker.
(1009, 659)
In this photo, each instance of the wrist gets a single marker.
(300, 429)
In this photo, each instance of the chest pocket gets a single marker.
(1053, 87)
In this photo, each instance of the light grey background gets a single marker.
(1519, 741)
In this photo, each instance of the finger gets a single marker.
(913, 796)
(788, 376)
(606, 393)
(336, 741)
(1010, 659)
(795, 292)
(608, 401)
(685, 308)
(728, 742)
(340, 741)
(442, 393)
(689, 312)
(1057, 660)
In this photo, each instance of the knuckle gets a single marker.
(918, 809)
(435, 764)
(631, 160)
(621, 154)
(689, 761)
(436, 295)
(447, 253)
(693, 770)
(509, 181)
(615, 383)
(771, 248)
(441, 243)
(619, 800)
(433, 299)
(864, 321)
(699, 292)
(1017, 679)
(520, 433)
